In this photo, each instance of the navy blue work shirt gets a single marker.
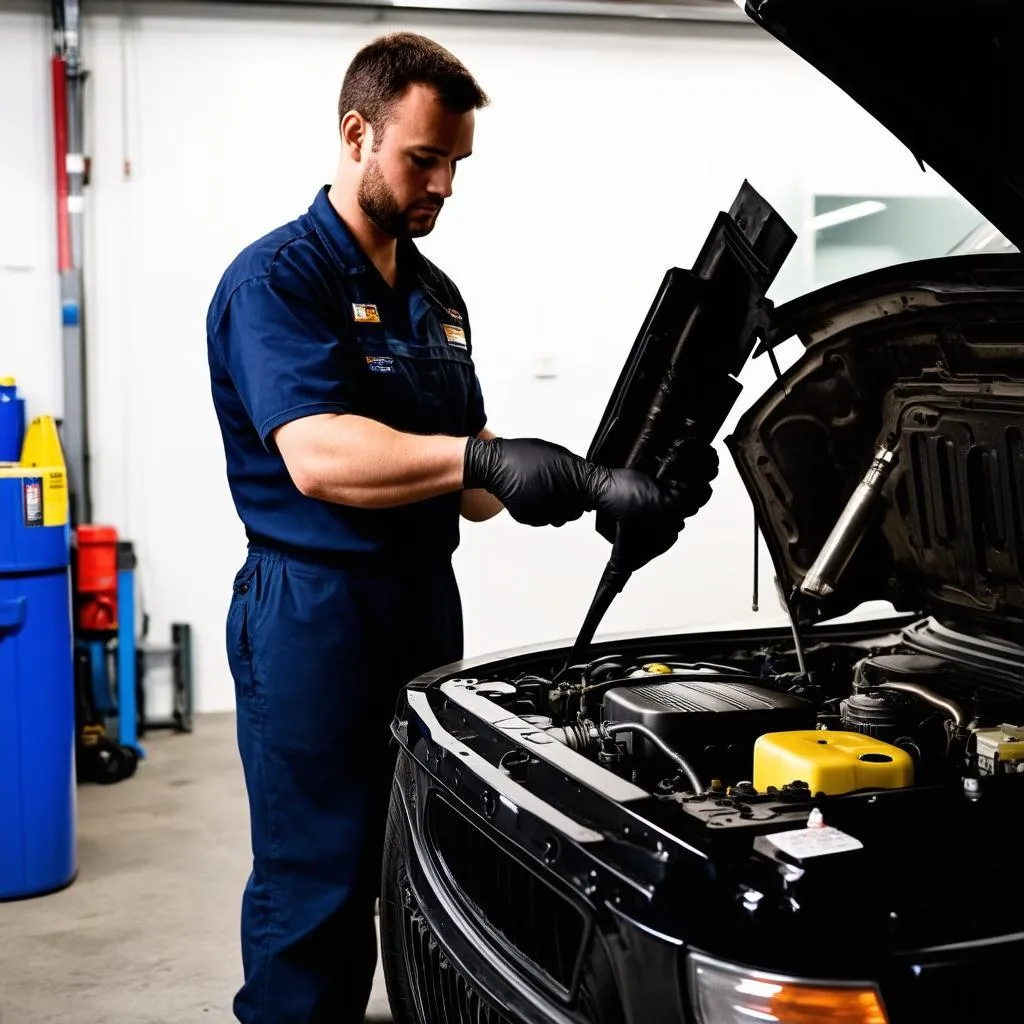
(303, 323)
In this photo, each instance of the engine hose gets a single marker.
(942, 703)
(661, 745)
(581, 738)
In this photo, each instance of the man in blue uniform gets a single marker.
(355, 437)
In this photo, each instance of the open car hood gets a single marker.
(946, 77)
(931, 356)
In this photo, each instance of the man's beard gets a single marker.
(378, 202)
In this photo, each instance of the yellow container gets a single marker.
(829, 762)
(42, 456)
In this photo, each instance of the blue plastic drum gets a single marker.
(37, 706)
(12, 421)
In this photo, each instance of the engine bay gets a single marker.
(773, 722)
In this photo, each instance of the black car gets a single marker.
(794, 825)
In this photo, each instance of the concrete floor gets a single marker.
(148, 933)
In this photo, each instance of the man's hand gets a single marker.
(640, 538)
(544, 484)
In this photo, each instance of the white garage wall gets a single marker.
(30, 338)
(602, 161)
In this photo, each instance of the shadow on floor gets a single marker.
(148, 932)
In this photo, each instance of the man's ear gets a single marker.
(355, 132)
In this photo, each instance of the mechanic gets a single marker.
(354, 434)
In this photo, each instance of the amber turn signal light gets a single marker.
(728, 994)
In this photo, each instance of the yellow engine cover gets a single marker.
(829, 762)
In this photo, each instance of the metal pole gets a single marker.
(70, 166)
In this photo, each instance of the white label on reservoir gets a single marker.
(802, 843)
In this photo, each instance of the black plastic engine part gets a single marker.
(681, 378)
(712, 724)
(884, 715)
(928, 679)
(884, 668)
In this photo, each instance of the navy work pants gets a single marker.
(319, 654)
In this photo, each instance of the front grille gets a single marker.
(445, 995)
(512, 901)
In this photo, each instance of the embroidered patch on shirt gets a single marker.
(453, 313)
(365, 313)
(455, 335)
(380, 364)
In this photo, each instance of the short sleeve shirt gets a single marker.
(302, 323)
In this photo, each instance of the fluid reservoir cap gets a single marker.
(876, 708)
(7, 382)
(656, 668)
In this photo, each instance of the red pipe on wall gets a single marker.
(60, 151)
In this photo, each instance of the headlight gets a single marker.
(725, 994)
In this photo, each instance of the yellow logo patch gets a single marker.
(455, 335)
(365, 313)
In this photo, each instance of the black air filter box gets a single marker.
(713, 724)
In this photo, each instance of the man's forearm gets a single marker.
(352, 460)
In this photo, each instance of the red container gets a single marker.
(96, 578)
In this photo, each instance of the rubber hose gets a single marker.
(662, 746)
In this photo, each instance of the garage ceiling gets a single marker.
(638, 10)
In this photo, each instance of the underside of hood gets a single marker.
(931, 355)
(946, 77)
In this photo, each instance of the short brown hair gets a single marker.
(383, 69)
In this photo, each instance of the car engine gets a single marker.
(923, 706)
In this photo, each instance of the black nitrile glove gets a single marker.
(638, 539)
(544, 484)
